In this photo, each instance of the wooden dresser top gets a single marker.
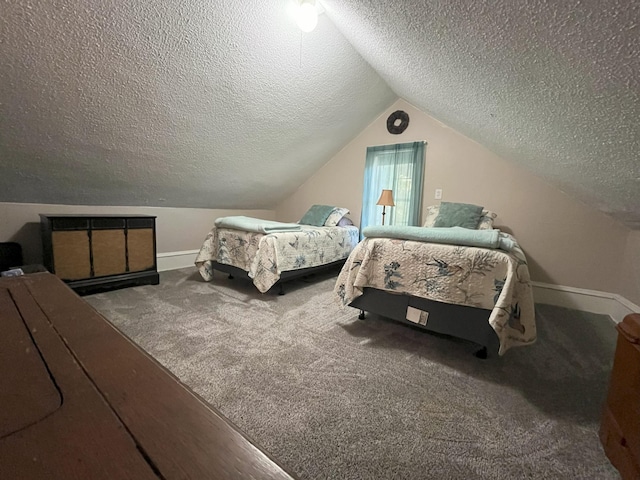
(82, 401)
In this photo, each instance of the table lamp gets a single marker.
(386, 200)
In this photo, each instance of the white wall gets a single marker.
(630, 271)
(177, 229)
(566, 242)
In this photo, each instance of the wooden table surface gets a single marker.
(80, 400)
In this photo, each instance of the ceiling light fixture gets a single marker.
(307, 15)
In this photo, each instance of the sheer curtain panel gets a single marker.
(399, 168)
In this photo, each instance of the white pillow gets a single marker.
(335, 216)
(486, 220)
(432, 213)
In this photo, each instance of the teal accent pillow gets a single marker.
(458, 215)
(317, 215)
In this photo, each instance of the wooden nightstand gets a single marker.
(95, 253)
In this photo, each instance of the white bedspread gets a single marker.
(266, 256)
(477, 277)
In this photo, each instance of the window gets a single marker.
(399, 168)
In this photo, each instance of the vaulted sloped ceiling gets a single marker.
(553, 85)
(167, 103)
(227, 104)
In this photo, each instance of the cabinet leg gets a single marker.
(361, 316)
(230, 277)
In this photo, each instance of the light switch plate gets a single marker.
(438, 195)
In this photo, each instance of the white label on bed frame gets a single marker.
(417, 316)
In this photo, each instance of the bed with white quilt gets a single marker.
(465, 282)
(270, 253)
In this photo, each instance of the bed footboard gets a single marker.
(459, 321)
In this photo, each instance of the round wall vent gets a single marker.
(397, 122)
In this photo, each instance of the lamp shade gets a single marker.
(386, 198)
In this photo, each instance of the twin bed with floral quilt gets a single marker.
(270, 253)
(469, 283)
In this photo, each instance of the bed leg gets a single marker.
(482, 353)
(230, 277)
(361, 316)
(281, 291)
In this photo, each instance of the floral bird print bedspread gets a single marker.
(478, 277)
(266, 256)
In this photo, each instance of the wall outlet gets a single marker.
(438, 195)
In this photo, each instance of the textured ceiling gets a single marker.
(197, 104)
(227, 104)
(553, 85)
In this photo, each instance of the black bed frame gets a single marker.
(469, 323)
(285, 276)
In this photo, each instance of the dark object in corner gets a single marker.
(402, 126)
(10, 255)
(620, 427)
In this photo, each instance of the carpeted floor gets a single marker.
(331, 396)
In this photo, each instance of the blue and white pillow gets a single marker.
(335, 216)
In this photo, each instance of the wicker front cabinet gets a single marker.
(96, 253)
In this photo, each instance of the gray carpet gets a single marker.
(331, 396)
